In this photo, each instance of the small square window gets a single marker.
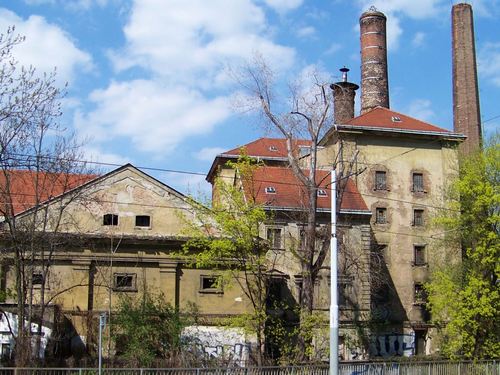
(210, 284)
(37, 278)
(418, 183)
(420, 295)
(143, 221)
(381, 215)
(322, 193)
(110, 219)
(273, 148)
(380, 180)
(125, 282)
(418, 218)
(419, 255)
(304, 151)
(274, 235)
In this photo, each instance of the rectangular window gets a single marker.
(345, 289)
(381, 215)
(143, 221)
(322, 193)
(110, 219)
(418, 183)
(37, 278)
(380, 180)
(419, 255)
(420, 296)
(274, 235)
(125, 282)
(210, 284)
(418, 218)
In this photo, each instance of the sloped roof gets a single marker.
(26, 187)
(267, 147)
(291, 194)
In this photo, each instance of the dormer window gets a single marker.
(273, 148)
(322, 193)
(270, 190)
(396, 119)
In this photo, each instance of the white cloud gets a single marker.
(282, 6)
(305, 32)
(194, 185)
(421, 109)
(414, 9)
(489, 62)
(94, 153)
(334, 48)
(188, 41)
(418, 39)
(46, 46)
(209, 153)
(153, 117)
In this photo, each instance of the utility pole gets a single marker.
(334, 306)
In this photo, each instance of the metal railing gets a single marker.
(358, 368)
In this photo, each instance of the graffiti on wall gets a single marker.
(392, 345)
(230, 344)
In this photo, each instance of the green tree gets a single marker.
(226, 240)
(147, 329)
(464, 297)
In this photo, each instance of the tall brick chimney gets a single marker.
(374, 81)
(466, 114)
(343, 98)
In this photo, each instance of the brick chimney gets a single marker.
(374, 81)
(343, 98)
(466, 114)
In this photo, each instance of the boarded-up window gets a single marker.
(418, 182)
(380, 180)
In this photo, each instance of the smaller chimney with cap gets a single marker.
(343, 98)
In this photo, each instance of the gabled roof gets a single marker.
(271, 149)
(385, 120)
(27, 187)
(289, 193)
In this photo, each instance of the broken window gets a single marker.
(274, 235)
(419, 255)
(381, 215)
(418, 183)
(210, 284)
(418, 218)
(110, 219)
(124, 282)
(143, 221)
(420, 296)
(380, 180)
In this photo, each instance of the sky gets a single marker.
(148, 80)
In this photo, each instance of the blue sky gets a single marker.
(148, 82)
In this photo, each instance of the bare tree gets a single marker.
(38, 161)
(303, 112)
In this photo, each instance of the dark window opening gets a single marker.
(380, 180)
(270, 190)
(210, 284)
(110, 219)
(381, 215)
(274, 237)
(37, 278)
(420, 296)
(418, 183)
(420, 338)
(322, 193)
(418, 218)
(142, 221)
(419, 255)
(125, 282)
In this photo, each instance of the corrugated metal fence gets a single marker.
(361, 368)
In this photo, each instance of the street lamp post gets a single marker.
(334, 307)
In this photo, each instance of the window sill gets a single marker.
(420, 265)
(211, 291)
(132, 290)
(142, 228)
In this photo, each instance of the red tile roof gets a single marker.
(290, 193)
(268, 147)
(385, 118)
(22, 188)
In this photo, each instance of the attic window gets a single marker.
(270, 190)
(322, 193)
(396, 119)
(110, 219)
(143, 221)
(273, 148)
(304, 150)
